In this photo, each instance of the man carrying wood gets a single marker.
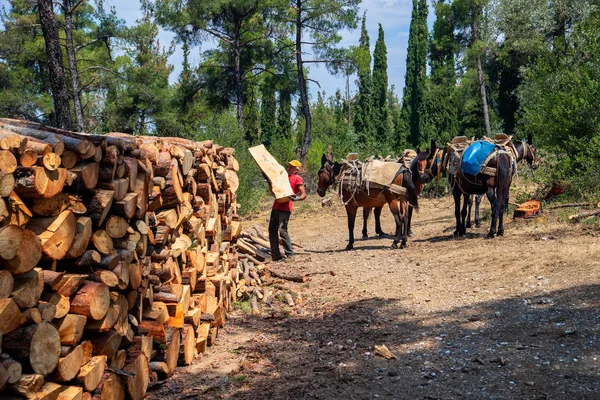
(280, 214)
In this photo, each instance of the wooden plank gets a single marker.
(274, 172)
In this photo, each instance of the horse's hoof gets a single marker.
(477, 225)
(394, 245)
(500, 233)
(349, 247)
(468, 225)
(490, 235)
(403, 246)
(382, 234)
(365, 236)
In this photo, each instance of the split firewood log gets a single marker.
(28, 385)
(32, 182)
(56, 234)
(69, 365)
(6, 284)
(7, 183)
(82, 238)
(10, 316)
(91, 373)
(70, 328)
(28, 288)
(13, 369)
(20, 249)
(36, 345)
(137, 385)
(91, 300)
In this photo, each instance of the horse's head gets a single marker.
(530, 153)
(420, 167)
(326, 174)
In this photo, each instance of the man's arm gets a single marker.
(302, 194)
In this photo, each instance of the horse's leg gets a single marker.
(408, 220)
(469, 200)
(377, 214)
(456, 193)
(477, 204)
(351, 212)
(491, 195)
(463, 214)
(404, 209)
(366, 213)
(394, 208)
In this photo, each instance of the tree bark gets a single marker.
(480, 77)
(73, 65)
(56, 73)
(303, 150)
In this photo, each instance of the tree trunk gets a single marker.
(56, 73)
(239, 90)
(73, 65)
(480, 77)
(303, 150)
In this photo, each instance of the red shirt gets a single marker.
(295, 182)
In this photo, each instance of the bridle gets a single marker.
(328, 167)
(429, 170)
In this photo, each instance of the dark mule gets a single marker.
(525, 151)
(329, 175)
(495, 187)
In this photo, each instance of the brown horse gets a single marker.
(399, 204)
(421, 173)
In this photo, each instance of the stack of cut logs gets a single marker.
(117, 258)
(259, 282)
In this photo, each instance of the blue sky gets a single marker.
(394, 15)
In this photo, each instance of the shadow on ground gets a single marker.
(543, 347)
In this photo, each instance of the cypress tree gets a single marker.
(268, 108)
(363, 116)
(416, 63)
(284, 114)
(380, 88)
(440, 117)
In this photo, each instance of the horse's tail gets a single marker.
(411, 190)
(504, 180)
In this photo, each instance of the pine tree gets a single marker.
(416, 63)
(363, 115)
(380, 89)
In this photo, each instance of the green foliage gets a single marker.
(363, 112)
(223, 129)
(559, 108)
(414, 86)
(380, 90)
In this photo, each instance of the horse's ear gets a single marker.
(529, 139)
(434, 145)
(330, 157)
(323, 160)
(418, 150)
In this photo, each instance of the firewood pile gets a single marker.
(118, 259)
(258, 280)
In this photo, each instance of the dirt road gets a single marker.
(516, 317)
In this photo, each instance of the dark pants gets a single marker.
(278, 225)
